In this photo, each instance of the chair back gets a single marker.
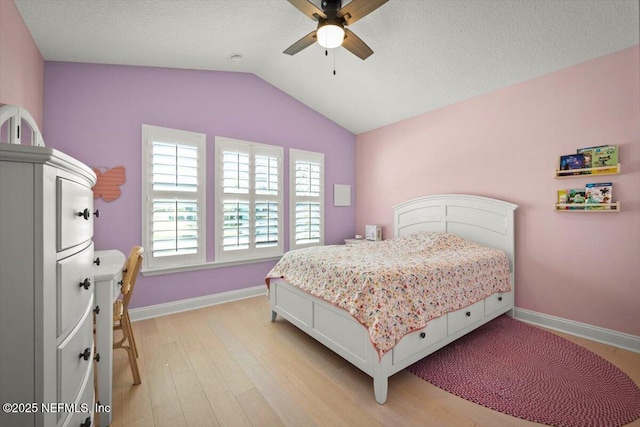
(131, 270)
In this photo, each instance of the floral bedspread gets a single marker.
(396, 286)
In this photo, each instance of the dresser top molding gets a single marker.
(49, 156)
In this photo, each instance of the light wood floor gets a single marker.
(228, 365)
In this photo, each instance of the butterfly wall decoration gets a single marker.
(109, 182)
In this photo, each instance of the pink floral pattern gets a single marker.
(396, 286)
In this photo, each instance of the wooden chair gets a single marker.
(121, 320)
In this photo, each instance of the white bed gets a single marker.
(483, 220)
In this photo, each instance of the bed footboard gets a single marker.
(330, 325)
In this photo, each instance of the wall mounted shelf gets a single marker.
(584, 207)
(562, 174)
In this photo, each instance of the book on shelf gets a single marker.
(600, 157)
(576, 196)
(563, 199)
(598, 193)
(570, 162)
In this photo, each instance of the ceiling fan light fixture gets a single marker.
(330, 34)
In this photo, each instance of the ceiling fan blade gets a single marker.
(304, 42)
(358, 9)
(309, 9)
(355, 45)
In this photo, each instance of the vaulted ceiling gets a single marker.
(428, 53)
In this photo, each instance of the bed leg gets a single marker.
(380, 388)
(273, 316)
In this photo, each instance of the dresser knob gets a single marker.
(499, 298)
(86, 354)
(97, 213)
(86, 423)
(97, 309)
(468, 314)
(96, 261)
(85, 283)
(97, 358)
(121, 282)
(85, 214)
(423, 334)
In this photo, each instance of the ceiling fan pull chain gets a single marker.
(334, 62)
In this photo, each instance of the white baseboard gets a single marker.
(194, 303)
(594, 333)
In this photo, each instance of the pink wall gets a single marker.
(505, 144)
(21, 64)
(95, 112)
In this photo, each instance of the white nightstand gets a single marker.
(350, 242)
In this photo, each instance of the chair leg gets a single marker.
(120, 343)
(127, 335)
(95, 376)
(134, 365)
(132, 339)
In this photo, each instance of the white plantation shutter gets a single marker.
(174, 227)
(306, 198)
(307, 223)
(174, 190)
(235, 171)
(174, 166)
(235, 168)
(267, 224)
(249, 184)
(268, 184)
(236, 225)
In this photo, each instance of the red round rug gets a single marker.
(515, 368)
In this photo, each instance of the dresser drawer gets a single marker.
(75, 214)
(73, 369)
(460, 319)
(83, 408)
(72, 297)
(498, 301)
(414, 342)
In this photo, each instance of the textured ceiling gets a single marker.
(428, 53)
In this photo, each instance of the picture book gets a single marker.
(570, 162)
(562, 199)
(576, 196)
(604, 155)
(587, 161)
(598, 193)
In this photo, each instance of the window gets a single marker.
(306, 198)
(249, 201)
(173, 225)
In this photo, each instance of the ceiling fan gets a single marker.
(332, 19)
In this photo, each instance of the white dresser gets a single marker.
(46, 288)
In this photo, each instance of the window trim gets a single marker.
(311, 156)
(252, 253)
(149, 134)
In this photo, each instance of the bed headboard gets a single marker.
(486, 221)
